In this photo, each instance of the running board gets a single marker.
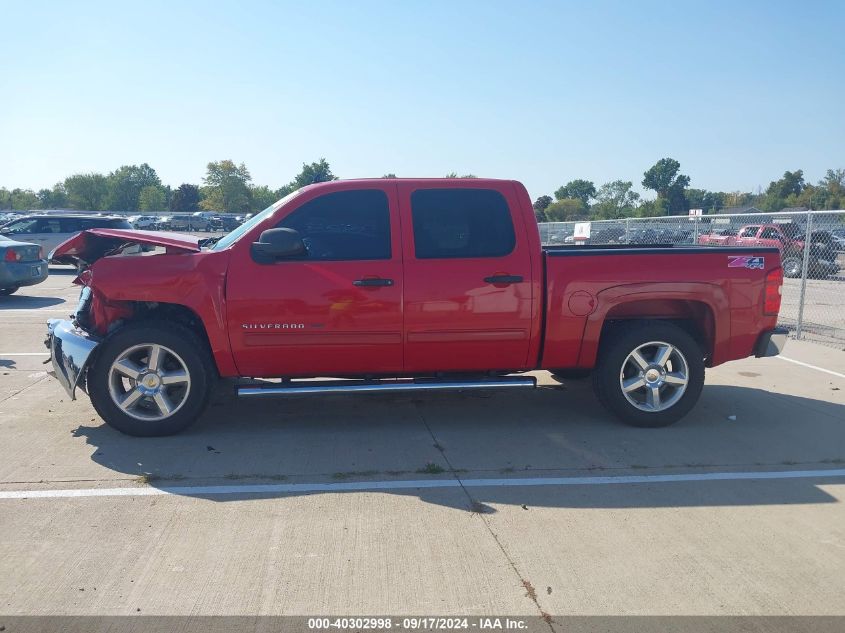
(400, 385)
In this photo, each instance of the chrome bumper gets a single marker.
(70, 349)
(771, 343)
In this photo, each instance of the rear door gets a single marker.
(467, 279)
(335, 311)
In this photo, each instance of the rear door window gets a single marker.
(461, 223)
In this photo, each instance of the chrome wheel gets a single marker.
(654, 376)
(149, 382)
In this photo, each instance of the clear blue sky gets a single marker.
(543, 92)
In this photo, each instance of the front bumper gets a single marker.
(771, 342)
(70, 350)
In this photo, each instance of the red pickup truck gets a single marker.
(402, 285)
(789, 240)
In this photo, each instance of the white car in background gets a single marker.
(48, 231)
(144, 222)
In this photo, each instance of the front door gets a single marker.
(467, 280)
(335, 311)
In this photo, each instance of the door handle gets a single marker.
(373, 281)
(503, 279)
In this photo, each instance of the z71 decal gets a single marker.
(747, 262)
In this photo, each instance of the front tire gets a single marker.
(5, 292)
(151, 379)
(649, 373)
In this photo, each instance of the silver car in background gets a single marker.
(50, 230)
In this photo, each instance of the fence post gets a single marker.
(627, 230)
(695, 228)
(804, 272)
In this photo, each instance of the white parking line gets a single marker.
(26, 354)
(259, 489)
(798, 362)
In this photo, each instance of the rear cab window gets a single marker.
(461, 223)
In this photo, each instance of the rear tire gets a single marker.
(151, 378)
(5, 292)
(649, 373)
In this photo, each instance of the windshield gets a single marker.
(234, 236)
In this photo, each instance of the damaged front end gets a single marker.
(72, 341)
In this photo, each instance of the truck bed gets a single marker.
(720, 289)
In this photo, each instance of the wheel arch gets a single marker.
(705, 317)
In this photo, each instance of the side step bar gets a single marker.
(315, 387)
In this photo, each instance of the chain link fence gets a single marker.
(813, 305)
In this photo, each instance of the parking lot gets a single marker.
(517, 503)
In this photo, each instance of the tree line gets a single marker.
(228, 187)
(580, 199)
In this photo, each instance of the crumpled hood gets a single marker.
(89, 246)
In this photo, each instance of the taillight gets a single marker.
(40, 252)
(771, 294)
(12, 255)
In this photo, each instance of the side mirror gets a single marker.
(276, 244)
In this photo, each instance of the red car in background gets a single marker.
(789, 240)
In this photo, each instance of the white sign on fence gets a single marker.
(695, 211)
(582, 232)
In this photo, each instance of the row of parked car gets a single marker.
(825, 244)
(619, 235)
(26, 240)
(197, 221)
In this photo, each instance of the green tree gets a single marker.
(152, 198)
(566, 210)
(708, 201)
(23, 199)
(262, 197)
(87, 191)
(663, 177)
(583, 190)
(125, 185)
(185, 199)
(55, 198)
(785, 191)
(312, 173)
(792, 183)
(540, 205)
(615, 199)
(834, 181)
(226, 187)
